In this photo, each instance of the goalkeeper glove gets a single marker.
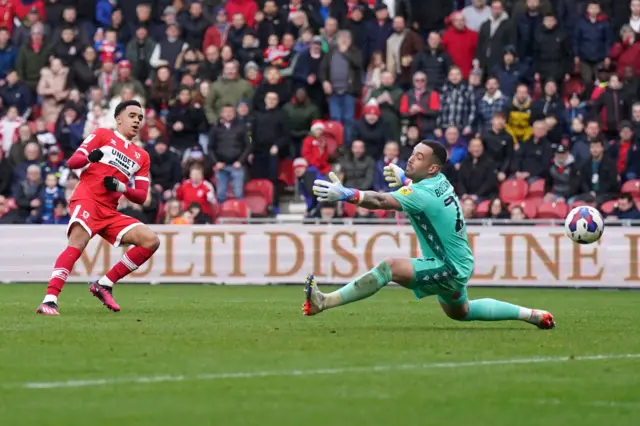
(113, 184)
(395, 176)
(95, 156)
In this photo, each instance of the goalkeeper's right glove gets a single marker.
(95, 156)
(395, 176)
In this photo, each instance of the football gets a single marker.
(584, 225)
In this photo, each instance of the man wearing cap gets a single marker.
(372, 130)
(563, 181)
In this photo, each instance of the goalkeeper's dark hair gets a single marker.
(123, 105)
(439, 151)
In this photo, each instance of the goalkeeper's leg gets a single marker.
(397, 270)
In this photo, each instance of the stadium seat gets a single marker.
(383, 214)
(332, 146)
(233, 209)
(257, 205)
(608, 207)
(336, 130)
(579, 204)
(513, 191)
(483, 208)
(285, 172)
(536, 189)
(632, 187)
(258, 195)
(535, 200)
(552, 211)
(530, 209)
(349, 209)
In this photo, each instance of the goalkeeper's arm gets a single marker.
(373, 200)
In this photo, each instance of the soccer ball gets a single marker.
(584, 225)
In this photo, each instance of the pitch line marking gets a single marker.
(310, 372)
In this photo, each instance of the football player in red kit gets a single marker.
(106, 162)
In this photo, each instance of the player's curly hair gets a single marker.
(439, 151)
(123, 105)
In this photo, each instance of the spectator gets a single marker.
(618, 149)
(496, 33)
(372, 130)
(67, 48)
(21, 34)
(563, 180)
(497, 210)
(389, 99)
(576, 109)
(17, 151)
(519, 114)
(341, 76)
(579, 143)
(125, 78)
(528, 24)
(301, 113)
(15, 93)
(549, 104)
(172, 211)
(517, 214)
(356, 25)
(498, 144)
(107, 44)
(8, 216)
(413, 138)
(237, 31)
(378, 31)
(612, 107)
(97, 118)
(433, 61)
(476, 14)
(165, 168)
(185, 121)
(6, 174)
(598, 177)
(52, 87)
(592, 41)
(632, 170)
(477, 175)
(250, 51)
(402, 46)
(272, 22)
(246, 8)
(626, 53)
(460, 43)
(532, 159)
(130, 209)
(270, 136)
(197, 190)
(306, 72)
(456, 146)
(54, 164)
(315, 149)
(468, 208)
(227, 90)
(26, 192)
(69, 129)
(8, 54)
(229, 148)
(391, 155)
(329, 33)
(421, 106)
(138, 53)
(166, 52)
(551, 51)
(457, 105)
(49, 195)
(60, 214)
(305, 176)
(194, 25)
(510, 73)
(272, 83)
(491, 103)
(357, 167)
(32, 57)
(625, 209)
(8, 126)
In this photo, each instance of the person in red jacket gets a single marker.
(197, 190)
(314, 148)
(460, 43)
(248, 8)
(626, 53)
(7, 12)
(23, 7)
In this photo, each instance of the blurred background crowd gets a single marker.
(248, 101)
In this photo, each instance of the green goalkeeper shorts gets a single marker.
(432, 277)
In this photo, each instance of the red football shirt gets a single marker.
(122, 159)
(203, 194)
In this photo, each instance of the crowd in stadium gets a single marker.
(535, 100)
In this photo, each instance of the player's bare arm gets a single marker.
(376, 201)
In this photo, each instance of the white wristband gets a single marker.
(121, 187)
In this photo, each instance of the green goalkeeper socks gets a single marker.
(360, 288)
(494, 310)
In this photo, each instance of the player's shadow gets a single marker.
(451, 328)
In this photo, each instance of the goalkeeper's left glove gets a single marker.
(395, 176)
(113, 184)
(330, 192)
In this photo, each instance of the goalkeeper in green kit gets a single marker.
(447, 262)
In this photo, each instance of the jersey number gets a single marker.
(451, 200)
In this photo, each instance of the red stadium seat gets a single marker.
(632, 187)
(530, 209)
(335, 129)
(285, 172)
(257, 205)
(535, 200)
(332, 145)
(483, 208)
(234, 209)
(579, 204)
(552, 211)
(258, 195)
(349, 210)
(383, 214)
(536, 189)
(513, 191)
(608, 207)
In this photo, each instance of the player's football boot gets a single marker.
(542, 319)
(314, 302)
(48, 308)
(103, 293)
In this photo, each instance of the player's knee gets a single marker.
(152, 242)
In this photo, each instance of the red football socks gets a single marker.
(129, 262)
(62, 269)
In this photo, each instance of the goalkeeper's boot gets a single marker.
(49, 308)
(314, 303)
(542, 319)
(104, 294)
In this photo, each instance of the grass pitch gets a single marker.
(200, 355)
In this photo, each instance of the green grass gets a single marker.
(194, 330)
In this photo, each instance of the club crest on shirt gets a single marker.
(405, 190)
